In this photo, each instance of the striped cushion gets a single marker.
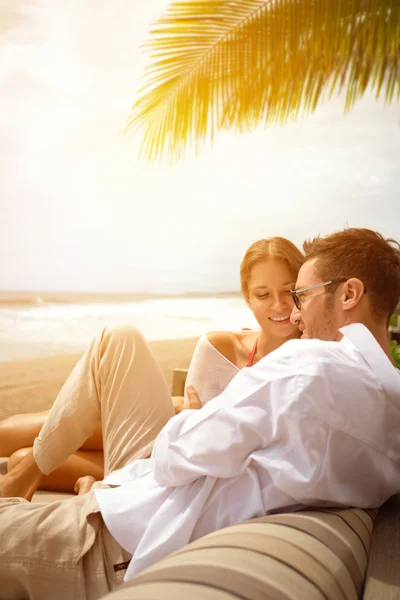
(313, 554)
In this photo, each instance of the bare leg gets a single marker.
(17, 434)
(118, 382)
(20, 431)
(63, 479)
(23, 480)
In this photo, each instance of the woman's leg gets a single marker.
(116, 381)
(17, 434)
(80, 464)
(20, 431)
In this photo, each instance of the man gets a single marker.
(314, 423)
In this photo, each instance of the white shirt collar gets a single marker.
(361, 337)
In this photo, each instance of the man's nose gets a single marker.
(295, 316)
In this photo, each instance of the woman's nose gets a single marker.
(280, 300)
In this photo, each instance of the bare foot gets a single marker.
(84, 484)
(22, 481)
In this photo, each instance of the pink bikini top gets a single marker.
(252, 353)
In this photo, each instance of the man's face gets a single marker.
(319, 316)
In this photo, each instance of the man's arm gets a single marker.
(218, 440)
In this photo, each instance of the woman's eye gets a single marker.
(263, 296)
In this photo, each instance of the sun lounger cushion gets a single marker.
(313, 554)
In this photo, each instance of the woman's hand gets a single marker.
(178, 402)
(192, 402)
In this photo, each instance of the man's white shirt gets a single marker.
(313, 423)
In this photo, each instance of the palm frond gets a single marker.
(219, 64)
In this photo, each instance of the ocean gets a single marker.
(46, 328)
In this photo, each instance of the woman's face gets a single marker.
(269, 297)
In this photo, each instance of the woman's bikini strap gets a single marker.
(252, 353)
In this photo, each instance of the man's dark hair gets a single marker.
(363, 254)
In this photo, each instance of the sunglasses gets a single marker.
(295, 293)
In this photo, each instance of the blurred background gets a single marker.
(83, 220)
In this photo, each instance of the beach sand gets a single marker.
(32, 385)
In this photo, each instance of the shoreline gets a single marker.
(33, 298)
(31, 385)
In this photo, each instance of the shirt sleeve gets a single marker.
(218, 439)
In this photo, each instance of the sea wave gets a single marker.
(45, 328)
(18, 301)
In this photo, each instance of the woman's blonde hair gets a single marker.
(274, 247)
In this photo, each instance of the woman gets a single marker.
(119, 364)
(267, 272)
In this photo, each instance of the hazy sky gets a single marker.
(78, 211)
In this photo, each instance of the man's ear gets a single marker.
(353, 291)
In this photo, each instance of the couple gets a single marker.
(268, 271)
(315, 422)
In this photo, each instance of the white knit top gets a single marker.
(209, 371)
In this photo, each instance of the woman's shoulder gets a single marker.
(212, 344)
(220, 339)
(224, 343)
(229, 343)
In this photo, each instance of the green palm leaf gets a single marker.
(219, 64)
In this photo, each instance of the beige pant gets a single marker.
(63, 550)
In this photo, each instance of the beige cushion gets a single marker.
(383, 574)
(315, 554)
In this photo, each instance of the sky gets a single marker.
(80, 212)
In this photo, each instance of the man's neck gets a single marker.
(381, 337)
(380, 333)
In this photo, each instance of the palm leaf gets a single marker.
(219, 64)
